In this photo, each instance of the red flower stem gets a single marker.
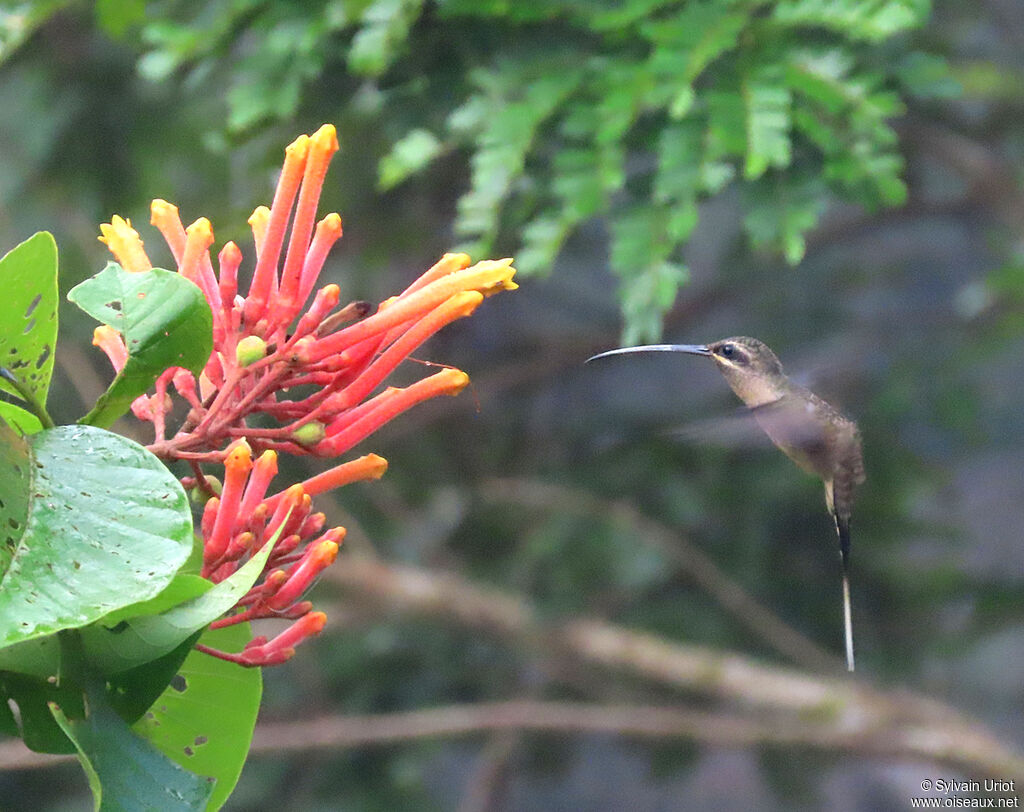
(233, 377)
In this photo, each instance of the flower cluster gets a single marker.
(268, 344)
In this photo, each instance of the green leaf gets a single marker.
(149, 636)
(25, 422)
(107, 526)
(386, 25)
(871, 20)
(781, 210)
(646, 296)
(641, 245)
(409, 155)
(33, 696)
(542, 240)
(687, 42)
(767, 102)
(205, 718)
(132, 692)
(28, 316)
(679, 157)
(116, 17)
(517, 99)
(15, 484)
(125, 771)
(165, 320)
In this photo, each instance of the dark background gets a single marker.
(582, 489)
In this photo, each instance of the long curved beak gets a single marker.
(692, 349)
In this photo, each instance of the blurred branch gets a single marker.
(755, 617)
(489, 776)
(859, 723)
(775, 704)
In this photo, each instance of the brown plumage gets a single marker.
(804, 427)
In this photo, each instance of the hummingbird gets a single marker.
(804, 427)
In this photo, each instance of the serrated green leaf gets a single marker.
(640, 247)
(517, 100)
(781, 211)
(646, 296)
(125, 771)
(165, 320)
(726, 124)
(107, 526)
(767, 101)
(205, 718)
(28, 314)
(677, 177)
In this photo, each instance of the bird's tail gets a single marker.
(843, 528)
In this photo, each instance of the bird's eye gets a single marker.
(727, 351)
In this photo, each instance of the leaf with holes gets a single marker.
(15, 482)
(142, 637)
(28, 318)
(205, 718)
(164, 319)
(124, 770)
(94, 522)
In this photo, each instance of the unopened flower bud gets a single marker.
(309, 433)
(199, 494)
(250, 350)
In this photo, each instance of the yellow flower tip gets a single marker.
(325, 139)
(201, 230)
(259, 223)
(457, 262)
(331, 223)
(239, 456)
(104, 334)
(297, 149)
(268, 459)
(497, 275)
(125, 244)
(451, 381)
(376, 466)
(161, 211)
(259, 216)
(325, 553)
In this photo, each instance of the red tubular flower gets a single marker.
(346, 362)
(267, 342)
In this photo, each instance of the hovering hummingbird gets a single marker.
(803, 426)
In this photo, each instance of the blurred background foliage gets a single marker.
(841, 179)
